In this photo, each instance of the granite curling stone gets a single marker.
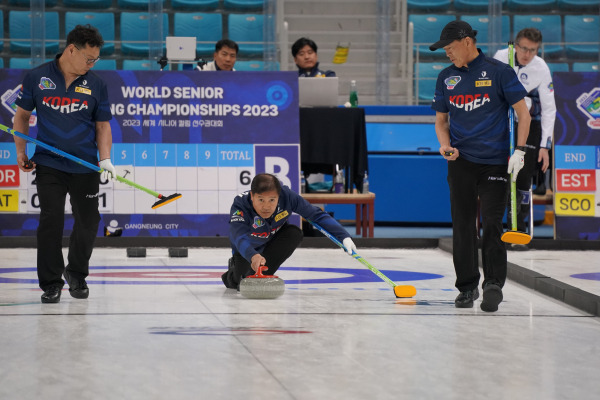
(261, 286)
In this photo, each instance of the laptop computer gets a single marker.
(181, 48)
(318, 92)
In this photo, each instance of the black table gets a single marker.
(332, 135)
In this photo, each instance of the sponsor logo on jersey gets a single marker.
(65, 105)
(483, 74)
(523, 78)
(469, 101)
(451, 82)
(258, 222)
(483, 83)
(46, 83)
(281, 216)
(237, 216)
(80, 89)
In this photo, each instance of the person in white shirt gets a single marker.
(535, 76)
(224, 57)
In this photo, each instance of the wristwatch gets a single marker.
(522, 148)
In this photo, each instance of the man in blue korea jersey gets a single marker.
(472, 98)
(259, 230)
(305, 55)
(73, 115)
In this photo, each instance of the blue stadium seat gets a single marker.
(1, 62)
(134, 28)
(105, 64)
(134, 4)
(206, 27)
(247, 31)
(104, 22)
(585, 67)
(1, 30)
(249, 65)
(243, 4)
(531, 5)
(473, 5)
(19, 27)
(427, 5)
(196, 5)
(549, 25)
(558, 67)
(137, 65)
(87, 3)
(27, 3)
(480, 23)
(425, 79)
(427, 29)
(582, 28)
(570, 5)
(22, 63)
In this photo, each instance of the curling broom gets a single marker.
(162, 200)
(513, 236)
(400, 291)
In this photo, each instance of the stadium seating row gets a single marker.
(426, 74)
(245, 29)
(510, 5)
(198, 5)
(580, 32)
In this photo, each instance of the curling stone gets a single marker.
(261, 286)
(136, 252)
(178, 252)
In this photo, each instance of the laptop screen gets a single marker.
(318, 92)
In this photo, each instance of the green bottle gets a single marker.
(353, 94)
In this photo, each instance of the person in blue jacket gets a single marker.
(304, 51)
(260, 233)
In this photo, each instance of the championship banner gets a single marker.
(577, 155)
(202, 134)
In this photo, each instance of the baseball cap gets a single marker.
(454, 30)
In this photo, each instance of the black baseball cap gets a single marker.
(454, 30)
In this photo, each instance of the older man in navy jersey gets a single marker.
(472, 98)
(73, 114)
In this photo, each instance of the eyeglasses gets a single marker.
(527, 50)
(87, 59)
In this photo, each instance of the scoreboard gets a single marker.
(202, 134)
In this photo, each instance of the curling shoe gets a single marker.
(77, 287)
(465, 299)
(492, 296)
(52, 294)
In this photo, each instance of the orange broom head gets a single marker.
(166, 200)
(515, 237)
(403, 291)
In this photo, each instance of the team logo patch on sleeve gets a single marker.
(451, 82)
(237, 216)
(46, 83)
(258, 222)
(80, 89)
(281, 215)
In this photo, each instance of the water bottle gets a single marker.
(338, 185)
(353, 94)
(366, 183)
(302, 183)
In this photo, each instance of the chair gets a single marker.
(585, 67)
(206, 27)
(1, 62)
(473, 5)
(549, 25)
(558, 67)
(135, 28)
(197, 5)
(427, 29)
(19, 27)
(22, 63)
(27, 3)
(425, 79)
(105, 22)
(105, 64)
(531, 5)
(247, 65)
(427, 5)
(570, 5)
(582, 28)
(247, 31)
(87, 3)
(137, 65)
(481, 23)
(135, 4)
(244, 5)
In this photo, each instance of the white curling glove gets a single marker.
(515, 163)
(109, 170)
(349, 245)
